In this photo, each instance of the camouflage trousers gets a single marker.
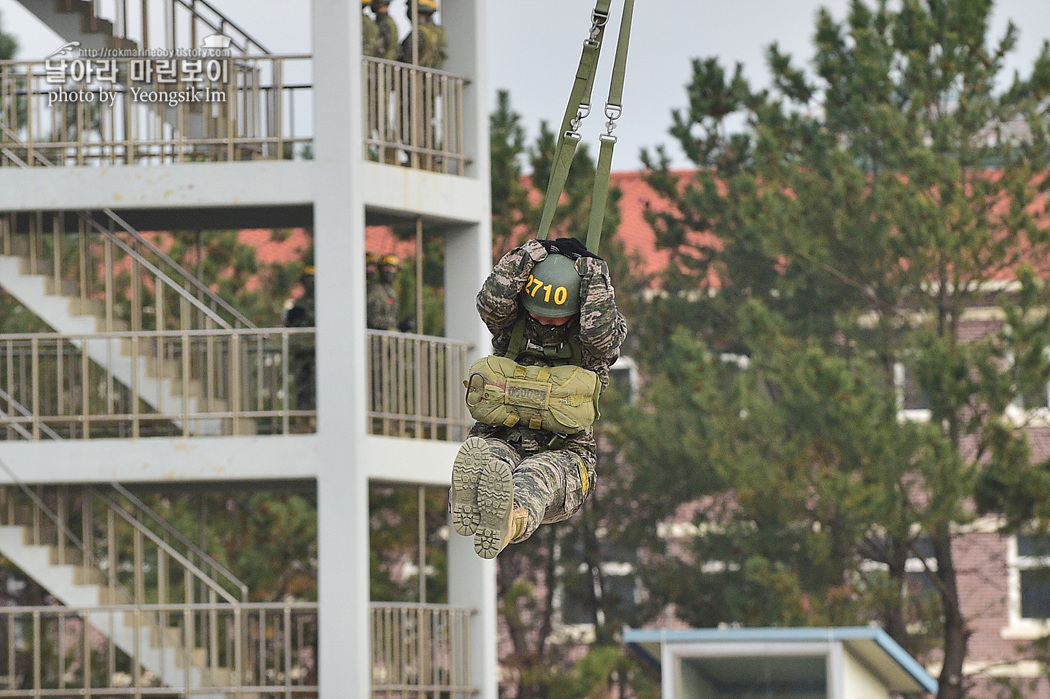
(549, 483)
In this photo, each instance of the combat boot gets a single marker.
(501, 522)
(463, 499)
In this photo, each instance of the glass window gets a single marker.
(1032, 577)
(1035, 593)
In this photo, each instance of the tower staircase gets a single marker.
(169, 24)
(109, 294)
(132, 577)
(105, 284)
(92, 26)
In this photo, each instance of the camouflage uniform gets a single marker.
(383, 308)
(370, 45)
(550, 483)
(433, 50)
(386, 44)
(433, 45)
(301, 347)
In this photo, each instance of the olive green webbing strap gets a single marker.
(613, 109)
(517, 341)
(578, 108)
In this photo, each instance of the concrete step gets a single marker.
(160, 649)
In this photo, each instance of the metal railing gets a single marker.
(155, 650)
(139, 111)
(230, 382)
(414, 116)
(420, 650)
(246, 110)
(168, 25)
(119, 545)
(112, 541)
(116, 274)
(166, 623)
(416, 386)
(270, 649)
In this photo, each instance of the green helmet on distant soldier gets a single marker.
(427, 6)
(553, 288)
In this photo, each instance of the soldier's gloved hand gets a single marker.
(535, 250)
(570, 247)
(590, 267)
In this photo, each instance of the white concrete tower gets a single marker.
(168, 386)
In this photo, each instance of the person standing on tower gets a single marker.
(387, 42)
(383, 307)
(427, 48)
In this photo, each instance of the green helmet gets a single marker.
(553, 289)
(427, 6)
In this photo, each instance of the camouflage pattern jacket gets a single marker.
(370, 37)
(433, 46)
(386, 43)
(599, 327)
(382, 306)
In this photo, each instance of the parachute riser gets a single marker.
(578, 109)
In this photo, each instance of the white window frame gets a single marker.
(900, 377)
(1021, 628)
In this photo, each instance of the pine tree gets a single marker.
(857, 214)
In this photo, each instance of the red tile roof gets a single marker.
(291, 248)
(638, 237)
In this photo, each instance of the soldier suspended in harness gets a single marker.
(530, 458)
(550, 306)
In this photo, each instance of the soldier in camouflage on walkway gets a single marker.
(383, 308)
(299, 313)
(369, 31)
(506, 481)
(387, 40)
(420, 106)
(433, 43)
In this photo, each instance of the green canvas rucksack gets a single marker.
(561, 399)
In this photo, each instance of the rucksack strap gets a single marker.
(569, 352)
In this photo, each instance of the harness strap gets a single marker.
(576, 111)
(518, 345)
(613, 110)
(517, 340)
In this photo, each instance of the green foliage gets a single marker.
(512, 211)
(16, 318)
(8, 45)
(855, 221)
(267, 539)
(394, 525)
(433, 285)
(231, 269)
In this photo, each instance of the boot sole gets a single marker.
(495, 499)
(472, 457)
